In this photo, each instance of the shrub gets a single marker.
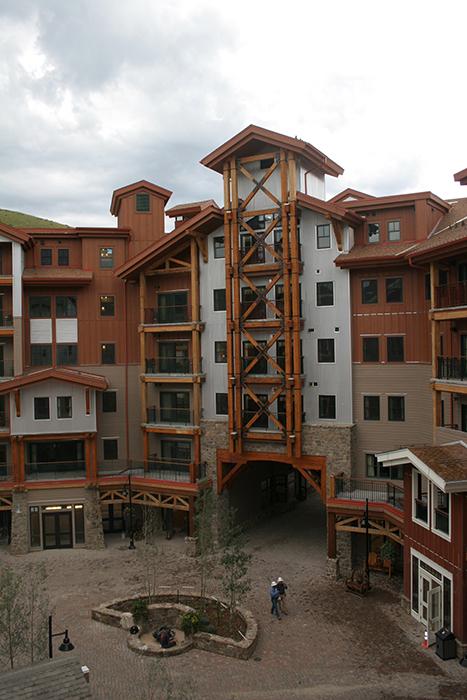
(190, 622)
(140, 611)
(388, 551)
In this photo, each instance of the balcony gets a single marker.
(169, 416)
(169, 365)
(376, 491)
(5, 471)
(452, 368)
(256, 257)
(179, 313)
(45, 471)
(449, 295)
(156, 469)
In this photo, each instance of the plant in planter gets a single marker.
(140, 612)
(190, 622)
(388, 552)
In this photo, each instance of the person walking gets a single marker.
(282, 588)
(274, 593)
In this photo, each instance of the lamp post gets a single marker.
(129, 490)
(367, 538)
(66, 645)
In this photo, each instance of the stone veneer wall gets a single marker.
(94, 531)
(19, 523)
(214, 436)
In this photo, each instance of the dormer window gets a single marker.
(142, 202)
(373, 233)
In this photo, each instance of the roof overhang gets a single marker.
(461, 176)
(329, 210)
(203, 223)
(406, 456)
(65, 277)
(16, 235)
(121, 192)
(397, 200)
(254, 140)
(94, 381)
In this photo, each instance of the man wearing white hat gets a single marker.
(274, 600)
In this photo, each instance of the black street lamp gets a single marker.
(66, 645)
(366, 524)
(129, 491)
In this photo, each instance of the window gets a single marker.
(326, 350)
(109, 402)
(35, 526)
(110, 448)
(376, 470)
(172, 307)
(175, 406)
(371, 408)
(249, 296)
(222, 404)
(370, 348)
(142, 202)
(394, 290)
(41, 355)
(250, 408)
(219, 300)
(40, 307)
(394, 230)
(107, 305)
(250, 351)
(219, 250)
(266, 163)
(41, 408)
(396, 408)
(108, 353)
(324, 293)
(67, 354)
(279, 297)
(323, 236)
(179, 450)
(395, 348)
(373, 233)
(46, 256)
(64, 405)
(369, 291)
(106, 257)
(63, 257)
(327, 407)
(440, 514)
(220, 351)
(66, 307)
(420, 497)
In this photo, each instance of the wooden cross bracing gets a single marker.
(146, 498)
(283, 324)
(378, 526)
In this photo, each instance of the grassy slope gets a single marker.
(19, 220)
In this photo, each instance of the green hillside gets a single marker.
(18, 220)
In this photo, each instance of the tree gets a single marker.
(36, 610)
(13, 621)
(234, 559)
(205, 537)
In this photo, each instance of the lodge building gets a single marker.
(278, 343)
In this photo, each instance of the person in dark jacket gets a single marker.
(282, 588)
(274, 593)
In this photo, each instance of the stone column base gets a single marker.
(332, 568)
(94, 531)
(19, 524)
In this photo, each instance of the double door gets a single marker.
(430, 592)
(57, 530)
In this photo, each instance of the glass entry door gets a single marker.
(57, 530)
(430, 602)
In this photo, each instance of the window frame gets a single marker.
(391, 397)
(216, 247)
(108, 394)
(220, 353)
(365, 340)
(389, 339)
(319, 238)
(107, 440)
(321, 406)
(422, 523)
(332, 293)
(40, 296)
(36, 399)
(103, 348)
(64, 312)
(60, 253)
(326, 362)
(387, 282)
(101, 302)
(138, 199)
(60, 417)
(398, 230)
(367, 406)
(369, 235)
(72, 363)
(33, 346)
(445, 535)
(362, 290)
(49, 252)
(219, 400)
(106, 262)
(215, 300)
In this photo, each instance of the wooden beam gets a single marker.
(18, 402)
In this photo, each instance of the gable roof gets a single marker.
(450, 234)
(52, 679)
(329, 209)
(205, 221)
(461, 176)
(445, 465)
(95, 381)
(349, 195)
(396, 200)
(394, 252)
(135, 186)
(16, 234)
(253, 139)
(189, 208)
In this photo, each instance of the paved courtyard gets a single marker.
(331, 645)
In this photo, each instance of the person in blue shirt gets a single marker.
(275, 600)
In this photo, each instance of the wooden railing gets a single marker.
(448, 295)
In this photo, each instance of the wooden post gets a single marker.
(87, 458)
(289, 408)
(295, 288)
(228, 305)
(20, 455)
(435, 350)
(237, 310)
(142, 339)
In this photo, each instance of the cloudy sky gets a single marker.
(95, 94)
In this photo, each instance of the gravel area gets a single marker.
(332, 643)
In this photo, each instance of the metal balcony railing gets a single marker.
(169, 365)
(156, 468)
(179, 313)
(5, 471)
(355, 489)
(452, 368)
(448, 295)
(75, 469)
(183, 416)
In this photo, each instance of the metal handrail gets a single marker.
(183, 416)
(169, 365)
(176, 313)
(375, 490)
(452, 367)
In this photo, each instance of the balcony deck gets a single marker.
(351, 493)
